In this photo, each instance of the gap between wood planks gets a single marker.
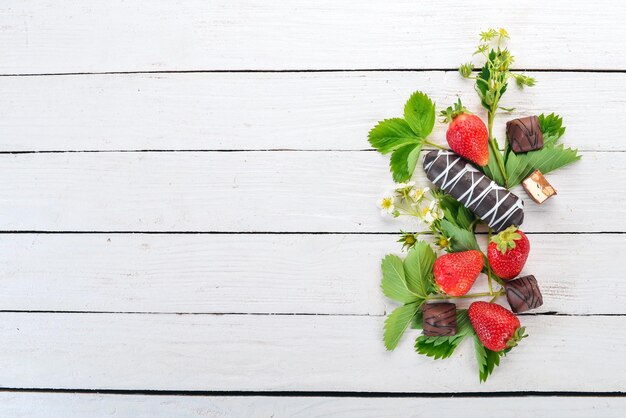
(69, 232)
(329, 394)
(335, 70)
(552, 313)
(219, 150)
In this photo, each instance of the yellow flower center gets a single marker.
(387, 203)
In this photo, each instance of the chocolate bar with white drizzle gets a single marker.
(492, 203)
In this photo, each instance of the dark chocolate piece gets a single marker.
(439, 319)
(523, 294)
(538, 187)
(494, 204)
(524, 134)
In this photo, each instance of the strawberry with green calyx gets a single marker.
(467, 134)
(497, 328)
(455, 273)
(507, 252)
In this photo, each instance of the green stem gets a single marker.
(468, 296)
(432, 144)
(494, 146)
(497, 295)
(499, 280)
(488, 265)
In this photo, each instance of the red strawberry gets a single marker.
(455, 273)
(497, 327)
(507, 252)
(467, 134)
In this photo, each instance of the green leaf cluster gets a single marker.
(456, 225)
(491, 81)
(409, 282)
(444, 347)
(509, 169)
(455, 212)
(404, 138)
(549, 158)
(519, 166)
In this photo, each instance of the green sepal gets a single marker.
(505, 240)
(453, 111)
(519, 335)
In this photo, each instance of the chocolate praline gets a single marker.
(523, 294)
(524, 134)
(439, 319)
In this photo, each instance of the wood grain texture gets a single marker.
(312, 274)
(210, 111)
(40, 36)
(262, 191)
(53, 405)
(293, 353)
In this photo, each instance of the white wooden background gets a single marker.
(187, 207)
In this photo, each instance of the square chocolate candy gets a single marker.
(538, 187)
(523, 294)
(524, 134)
(439, 319)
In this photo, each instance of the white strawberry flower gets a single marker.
(401, 187)
(431, 213)
(387, 204)
(435, 211)
(426, 215)
(417, 194)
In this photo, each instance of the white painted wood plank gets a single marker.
(308, 353)
(40, 36)
(320, 274)
(261, 191)
(274, 110)
(72, 405)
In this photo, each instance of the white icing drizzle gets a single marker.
(467, 198)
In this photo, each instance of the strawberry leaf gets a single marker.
(551, 128)
(397, 322)
(394, 283)
(487, 360)
(403, 161)
(416, 322)
(419, 113)
(404, 138)
(547, 159)
(455, 212)
(418, 268)
(390, 134)
(460, 239)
